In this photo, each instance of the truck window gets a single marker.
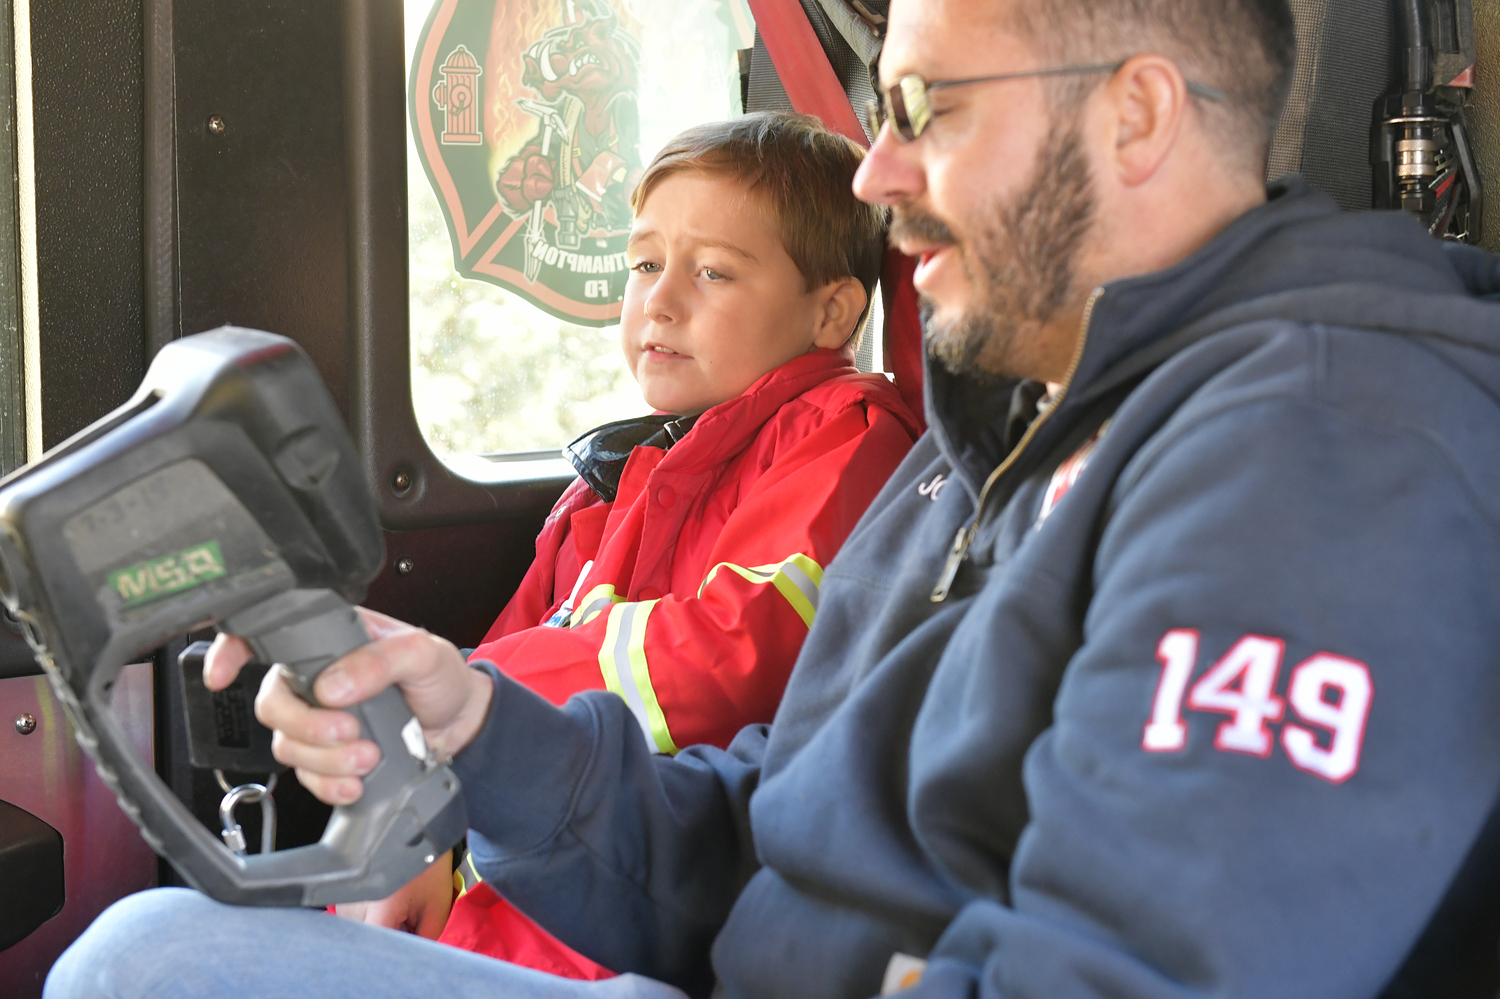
(530, 121)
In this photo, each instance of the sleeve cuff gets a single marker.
(520, 771)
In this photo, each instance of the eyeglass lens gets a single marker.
(909, 106)
(905, 105)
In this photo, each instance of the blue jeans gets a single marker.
(172, 943)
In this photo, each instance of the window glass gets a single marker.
(530, 123)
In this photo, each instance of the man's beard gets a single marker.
(1020, 262)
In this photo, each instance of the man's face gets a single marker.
(994, 199)
(713, 301)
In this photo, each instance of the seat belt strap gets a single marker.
(903, 331)
(803, 66)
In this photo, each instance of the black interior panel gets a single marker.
(87, 115)
(261, 204)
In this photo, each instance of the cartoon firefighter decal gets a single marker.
(576, 172)
(527, 119)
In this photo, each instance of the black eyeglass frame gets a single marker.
(905, 104)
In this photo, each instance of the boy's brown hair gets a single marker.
(806, 173)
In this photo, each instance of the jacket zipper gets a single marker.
(965, 536)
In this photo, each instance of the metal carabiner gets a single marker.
(247, 794)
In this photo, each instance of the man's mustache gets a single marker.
(912, 225)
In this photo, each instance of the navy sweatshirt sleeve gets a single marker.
(1278, 741)
(631, 858)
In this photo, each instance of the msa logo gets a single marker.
(162, 577)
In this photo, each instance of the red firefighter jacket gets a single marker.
(689, 596)
(702, 576)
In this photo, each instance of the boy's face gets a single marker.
(714, 301)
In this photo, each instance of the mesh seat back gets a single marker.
(1346, 58)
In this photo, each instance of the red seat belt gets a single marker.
(814, 88)
(903, 331)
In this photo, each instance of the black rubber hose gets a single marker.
(1417, 64)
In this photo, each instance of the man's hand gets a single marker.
(449, 699)
(421, 907)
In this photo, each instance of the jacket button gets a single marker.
(666, 496)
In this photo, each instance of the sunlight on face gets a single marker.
(713, 301)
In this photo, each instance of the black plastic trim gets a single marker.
(162, 316)
(31, 868)
(382, 418)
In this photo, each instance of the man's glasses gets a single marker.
(905, 105)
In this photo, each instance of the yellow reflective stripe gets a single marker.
(593, 604)
(608, 654)
(642, 674)
(798, 579)
(466, 881)
(622, 660)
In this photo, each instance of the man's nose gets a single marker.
(891, 172)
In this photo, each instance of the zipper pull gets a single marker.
(960, 551)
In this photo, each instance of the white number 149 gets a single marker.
(1242, 685)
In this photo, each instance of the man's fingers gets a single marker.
(323, 745)
(354, 759)
(280, 709)
(331, 790)
(222, 664)
(380, 625)
(400, 654)
(357, 677)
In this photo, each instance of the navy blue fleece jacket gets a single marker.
(1212, 707)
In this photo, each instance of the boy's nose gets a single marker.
(663, 302)
(891, 172)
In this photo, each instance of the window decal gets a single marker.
(526, 122)
(527, 118)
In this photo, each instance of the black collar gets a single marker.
(600, 455)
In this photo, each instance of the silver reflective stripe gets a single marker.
(628, 690)
(803, 582)
(587, 612)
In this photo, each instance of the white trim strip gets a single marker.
(31, 316)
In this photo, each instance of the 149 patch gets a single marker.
(1329, 694)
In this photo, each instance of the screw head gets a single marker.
(402, 481)
(216, 124)
(404, 565)
(26, 724)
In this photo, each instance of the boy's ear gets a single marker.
(843, 303)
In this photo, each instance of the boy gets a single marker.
(683, 573)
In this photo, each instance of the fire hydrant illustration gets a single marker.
(457, 95)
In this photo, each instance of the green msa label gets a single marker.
(162, 577)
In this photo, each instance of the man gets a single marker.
(1166, 670)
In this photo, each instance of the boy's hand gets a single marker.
(421, 907)
(449, 699)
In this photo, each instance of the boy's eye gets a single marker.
(712, 274)
(645, 267)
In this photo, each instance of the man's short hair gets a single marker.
(1245, 48)
(805, 172)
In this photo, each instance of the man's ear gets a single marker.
(842, 303)
(1149, 97)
